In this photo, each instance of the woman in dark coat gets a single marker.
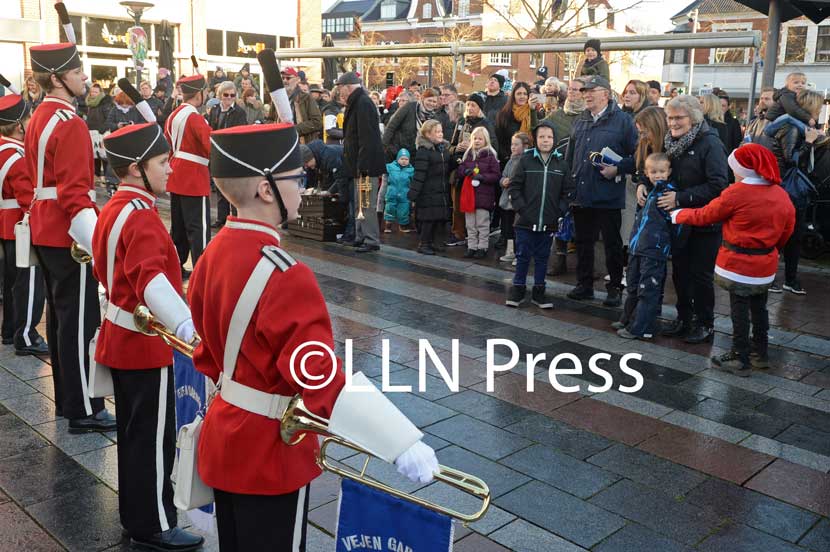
(430, 189)
(99, 105)
(123, 113)
(699, 172)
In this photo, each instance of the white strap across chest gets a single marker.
(13, 158)
(115, 314)
(177, 128)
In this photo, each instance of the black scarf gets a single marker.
(676, 147)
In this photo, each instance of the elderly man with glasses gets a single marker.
(225, 115)
(307, 116)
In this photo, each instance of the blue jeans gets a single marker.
(645, 278)
(536, 245)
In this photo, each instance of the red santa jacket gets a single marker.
(189, 137)
(239, 451)
(754, 216)
(143, 251)
(13, 177)
(68, 168)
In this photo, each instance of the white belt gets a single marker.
(52, 193)
(9, 204)
(253, 400)
(121, 318)
(192, 157)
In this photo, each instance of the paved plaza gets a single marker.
(697, 459)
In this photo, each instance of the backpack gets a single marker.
(798, 185)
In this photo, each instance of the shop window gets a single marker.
(796, 44)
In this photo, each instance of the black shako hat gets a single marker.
(55, 58)
(191, 84)
(13, 109)
(135, 144)
(254, 150)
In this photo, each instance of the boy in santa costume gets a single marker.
(758, 219)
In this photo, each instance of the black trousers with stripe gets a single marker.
(189, 225)
(262, 522)
(24, 294)
(146, 412)
(74, 315)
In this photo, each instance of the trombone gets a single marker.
(298, 418)
(364, 195)
(148, 325)
(79, 254)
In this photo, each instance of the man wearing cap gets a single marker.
(600, 186)
(22, 287)
(494, 97)
(316, 93)
(63, 211)
(137, 263)
(362, 155)
(189, 185)
(307, 116)
(260, 483)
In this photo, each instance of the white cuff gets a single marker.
(370, 420)
(674, 215)
(146, 111)
(82, 227)
(165, 304)
(283, 106)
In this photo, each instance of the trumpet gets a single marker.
(298, 419)
(364, 195)
(148, 325)
(79, 254)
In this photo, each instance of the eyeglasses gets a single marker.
(228, 95)
(677, 119)
(301, 178)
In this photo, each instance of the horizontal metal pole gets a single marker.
(735, 39)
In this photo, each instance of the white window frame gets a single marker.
(785, 36)
(426, 11)
(737, 26)
(816, 50)
(463, 8)
(500, 59)
(388, 9)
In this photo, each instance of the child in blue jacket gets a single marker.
(399, 175)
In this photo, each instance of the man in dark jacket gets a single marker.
(734, 135)
(402, 129)
(325, 161)
(362, 156)
(600, 190)
(225, 115)
(494, 97)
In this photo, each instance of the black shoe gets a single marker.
(560, 266)
(538, 298)
(700, 334)
(454, 242)
(759, 361)
(173, 539)
(101, 421)
(795, 287)
(731, 362)
(8, 340)
(346, 241)
(425, 250)
(775, 287)
(676, 328)
(581, 293)
(470, 253)
(38, 347)
(614, 298)
(439, 248)
(481, 253)
(515, 296)
(366, 248)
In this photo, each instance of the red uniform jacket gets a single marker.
(190, 178)
(239, 451)
(754, 216)
(144, 250)
(68, 165)
(16, 183)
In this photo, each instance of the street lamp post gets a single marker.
(136, 10)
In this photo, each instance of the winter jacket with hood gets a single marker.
(398, 178)
(430, 189)
(787, 104)
(489, 174)
(652, 233)
(307, 117)
(402, 129)
(329, 164)
(755, 216)
(614, 129)
(467, 126)
(493, 104)
(563, 123)
(362, 147)
(540, 191)
(97, 115)
(596, 67)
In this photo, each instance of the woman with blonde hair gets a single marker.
(635, 97)
(479, 173)
(34, 94)
(430, 188)
(652, 128)
(713, 115)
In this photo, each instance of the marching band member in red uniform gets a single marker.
(63, 210)
(22, 287)
(254, 305)
(137, 263)
(189, 185)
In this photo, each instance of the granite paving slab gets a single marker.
(476, 436)
(609, 421)
(740, 538)
(561, 436)
(499, 478)
(634, 537)
(17, 437)
(41, 474)
(521, 536)
(795, 484)
(818, 538)
(485, 408)
(19, 532)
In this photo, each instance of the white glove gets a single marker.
(476, 183)
(186, 331)
(418, 463)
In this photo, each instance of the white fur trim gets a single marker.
(165, 304)
(742, 279)
(370, 420)
(674, 215)
(82, 227)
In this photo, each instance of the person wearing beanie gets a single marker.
(245, 73)
(542, 73)
(594, 64)
(758, 219)
(323, 164)
(259, 168)
(494, 97)
(137, 263)
(218, 78)
(399, 175)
